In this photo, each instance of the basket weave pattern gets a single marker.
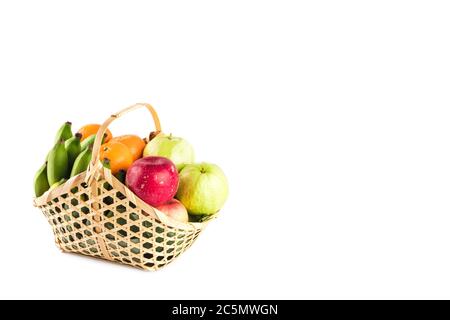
(94, 214)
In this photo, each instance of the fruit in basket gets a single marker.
(119, 156)
(57, 184)
(91, 129)
(121, 175)
(89, 141)
(40, 181)
(64, 132)
(81, 162)
(176, 149)
(174, 209)
(203, 188)
(134, 143)
(57, 163)
(73, 148)
(153, 179)
(106, 163)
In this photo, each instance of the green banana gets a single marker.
(40, 181)
(65, 132)
(73, 148)
(57, 184)
(81, 162)
(58, 163)
(89, 141)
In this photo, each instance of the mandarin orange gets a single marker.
(134, 143)
(90, 129)
(118, 154)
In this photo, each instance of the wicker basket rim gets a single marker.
(147, 209)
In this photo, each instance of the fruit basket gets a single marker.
(95, 214)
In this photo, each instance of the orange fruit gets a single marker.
(134, 143)
(90, 129)
(119, 156)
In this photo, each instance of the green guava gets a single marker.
(176, 149)
(203, 188)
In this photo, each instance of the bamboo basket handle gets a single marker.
(105, 125)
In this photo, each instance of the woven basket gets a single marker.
(94, 214)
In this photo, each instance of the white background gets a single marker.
(330, 119)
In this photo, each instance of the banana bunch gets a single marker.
(68, 158)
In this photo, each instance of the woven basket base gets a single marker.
(107, 224)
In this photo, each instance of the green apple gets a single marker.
(176, 149)
(203, 188)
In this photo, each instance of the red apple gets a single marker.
(175, 210)
(153, 179)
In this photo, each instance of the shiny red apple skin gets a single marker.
(174, 209)
(153, 179)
